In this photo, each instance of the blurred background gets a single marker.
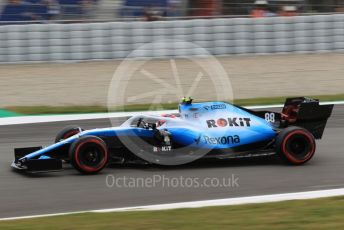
(110, 10)
(267, 48)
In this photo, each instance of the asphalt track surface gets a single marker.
(69, 191)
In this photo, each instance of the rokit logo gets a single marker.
(225, 140)
(235, 121)
(162, 149)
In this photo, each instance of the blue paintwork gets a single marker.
(259, 129)
(192, 128)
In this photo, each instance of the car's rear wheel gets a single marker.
(68, 132)
(89, 155)
(295, 145)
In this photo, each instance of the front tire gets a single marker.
(89, 155)
(295, 145)
(68, 132)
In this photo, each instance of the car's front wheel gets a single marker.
(295, 145)
(68, 132)
(89, 155)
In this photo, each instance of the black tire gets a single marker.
(295, 145)
(89, 155)
(68, 132)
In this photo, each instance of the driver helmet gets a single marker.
(187, 100)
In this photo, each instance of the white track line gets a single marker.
(73, 117)
(208, 203)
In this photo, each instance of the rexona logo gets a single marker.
(235, 121)
(225, 140)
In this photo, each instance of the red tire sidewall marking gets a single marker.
(289, 155)
(87, 168)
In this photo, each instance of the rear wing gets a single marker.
(306, 113)
(299, 111)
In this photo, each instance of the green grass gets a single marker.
(305, 214)
(6, 113)
(36, 110)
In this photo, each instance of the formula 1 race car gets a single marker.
(200, 130)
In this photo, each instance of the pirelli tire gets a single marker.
(67, 132)
(89, 155)
(295, 145)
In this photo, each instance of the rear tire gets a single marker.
(89, 155)
(295, 145)
(68, 132)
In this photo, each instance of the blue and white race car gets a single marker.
(199, 130)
